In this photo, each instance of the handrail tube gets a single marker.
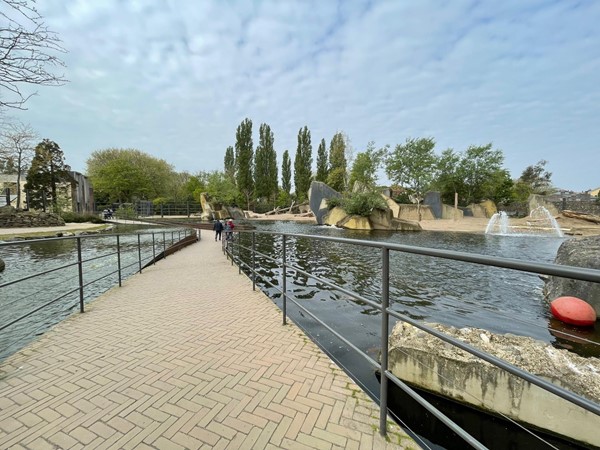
(433, 410)
(80, 270)
(89, 283)
(270, 258)
(563, 393)
(37, 309)
(339, 288)
(385, 324)
(98, 257)
(28, 277)
(139, 248)
(284, 274)
(253, 261)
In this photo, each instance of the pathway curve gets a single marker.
(183, 356)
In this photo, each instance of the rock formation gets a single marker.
(11, 218)
(425, 361)
(580, 252)
(317, 198)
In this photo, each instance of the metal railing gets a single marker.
(142, 250)
(232, 249)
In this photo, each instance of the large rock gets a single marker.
(580, 252)
(334, 216)
(449, 212)
(378, 220)
(395, 207)
(411, 212)
(534, 201)
(10, 218)
(434, 201)
(317, 197)
(207, 211)
(355, 223)
(484, 210)
(424, 361)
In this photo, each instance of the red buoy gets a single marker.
(573, 310)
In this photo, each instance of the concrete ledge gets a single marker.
(424, 361)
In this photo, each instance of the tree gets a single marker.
(365, 166)
(243, 160)
(478, 169)
(16, 149)
(27, 52)
(265, 165)
(303, 164)
(230, 163)
(336, 178)
(126, 175)
(47, 171)
(286, 177)
(448, 181)
(537, 178)
(219, 187)
(322, 167)
(413, 165)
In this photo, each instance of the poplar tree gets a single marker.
(230, 163)
(303, 164)
(286, 173)
(265, 165)
(322, 168)
(243, 160)
(336, 178)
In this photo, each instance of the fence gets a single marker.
(145, 208)
(247, 261)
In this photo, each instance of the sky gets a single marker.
(175, 78)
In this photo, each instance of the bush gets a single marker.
(69, 216)
(363, 204)
(334, 202)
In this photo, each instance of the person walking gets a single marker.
(229, 226)
(218, 228)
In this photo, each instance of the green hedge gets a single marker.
(361, 204)
(68, 216)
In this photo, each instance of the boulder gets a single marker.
(409, 212)
(406, 225)
(536, 200)
(579, 252)
(317, 197)
(235, 213)
(334, 216)
(422, 360)
(10, 218)
(449, 212)
(355, 223)
(434, 201)
(207, 211)
(489, 207)
(395, 207)
(381, 220)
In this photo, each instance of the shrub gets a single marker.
(334, 202)
(69, 216)
(363, 204)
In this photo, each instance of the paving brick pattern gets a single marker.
(183, 356)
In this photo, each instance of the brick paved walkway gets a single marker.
(183, 356)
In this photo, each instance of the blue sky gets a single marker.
(175, 78)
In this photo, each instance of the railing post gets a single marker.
(80, 267)
(164, 245)
(284, 305)
(153, 250)
(179, 236)
(172, 238)
(385, 303)
(239, 253)
(139, 253)
(253, 261)
(119, 258)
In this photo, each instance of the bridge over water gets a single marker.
(184, 355)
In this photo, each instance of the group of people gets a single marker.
(107, 213)
(219, 226)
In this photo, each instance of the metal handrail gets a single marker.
(80, 262)
(578, 273)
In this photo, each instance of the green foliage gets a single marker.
(334, 202)
(72, 217)
(413, 165)
(337, 163)
(220, 188)
(286, 173)
(322, 167)
(537, 178)
(125, 175)
(126, 211)
(284, 198)
(48, 170)
(303, 164)
(265, 166)
(365, 166)
(243, 160)
(363, 204)
(230, 162)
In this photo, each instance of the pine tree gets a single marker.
(322, 167)
(47, 171)
(243, 160)
(337, 163)
(230, 163)
(303, 164)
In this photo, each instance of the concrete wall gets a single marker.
(409, 212)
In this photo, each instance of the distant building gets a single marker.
(77, 196)
(594, 192)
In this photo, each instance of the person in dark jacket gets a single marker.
(218, 228)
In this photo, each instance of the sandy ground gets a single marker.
(468, 224)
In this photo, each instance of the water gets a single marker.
(59, 289)
(539, 222)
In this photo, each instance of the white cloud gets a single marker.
(176, 78)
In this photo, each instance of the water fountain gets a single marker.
(539, 222)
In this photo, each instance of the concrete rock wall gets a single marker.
(9, 218)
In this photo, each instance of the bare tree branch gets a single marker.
(27, 52)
